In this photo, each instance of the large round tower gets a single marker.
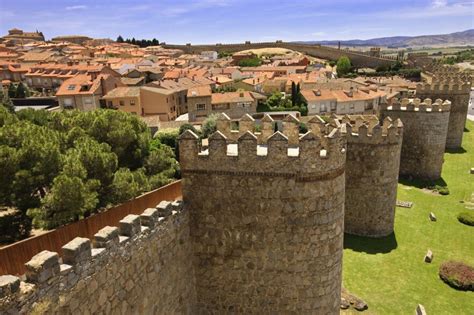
(372, 166)
(424, 137)
(266, 217)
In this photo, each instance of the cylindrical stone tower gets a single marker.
(372, 166)
(424, 136)
(456, 91)
(267, 219)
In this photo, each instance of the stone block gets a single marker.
(429, 256)
(130, 225)
(164, 208)
(420, 310)
(149, 217)
(433, 217)
(177, 205)
(107, 237)
(77, 251)
(42, 267)
(9, 285)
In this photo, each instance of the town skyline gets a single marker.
(176, 22)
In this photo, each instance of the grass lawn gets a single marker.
(390, 274)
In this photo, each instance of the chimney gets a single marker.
(102, 86)
(351, 92)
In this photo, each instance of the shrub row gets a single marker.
(458, 275)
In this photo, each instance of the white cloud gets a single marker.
(76, 7)
(318, 34)
(439, 3)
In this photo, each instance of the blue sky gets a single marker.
(227, 21)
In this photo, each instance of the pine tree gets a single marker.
(21, 91)
(293, 94)
(11, 91)
(119, 39)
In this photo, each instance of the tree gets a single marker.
(70, 199)
(11, 90)
(38, 154)
(8, 103)
(343, 66)
(185, 127)
(133, 41)
(119, 39)
(21, 91)
(209, 126)
(293, 93)
(127, 185)
(155, 42)
(250, 62)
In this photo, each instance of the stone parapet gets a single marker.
(144, 266)
(319, 151)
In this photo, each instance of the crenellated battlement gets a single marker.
(369, 130)
(114, 260)
(445, 85)
(288, 153)
(417, 105)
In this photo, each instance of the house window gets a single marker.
(67, 102)
(122, 103)
(333, 106)
(71, 87)
(132, 102)
(200, 106)
(323, 108)
(110, 104)
(352, 106)
(87, 100)
(313, 106)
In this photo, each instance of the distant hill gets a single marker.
(453, 39)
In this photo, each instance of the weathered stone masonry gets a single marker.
(142, 267)
(372, 167)
(266, 220)
(424, 137)
(457, 92)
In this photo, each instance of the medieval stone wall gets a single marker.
(424, 136)
(266, 220)
(372, 167)
(142, 267)
(458, 93)
(358, 58)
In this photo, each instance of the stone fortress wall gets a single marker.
(372, 167)
(455, 87)
(267, 217)
(358, 58)
(424, 136)
(142, 267)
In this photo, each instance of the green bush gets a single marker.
(458, 275)
(442, 190)
(209, 126)
(14, 226)
(466, 217)
(185, 127)
(168, 137)
(250, 62)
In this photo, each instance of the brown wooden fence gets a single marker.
(13, 257)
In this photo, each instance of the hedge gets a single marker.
(458, 275)
(466, 217)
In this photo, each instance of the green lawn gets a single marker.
(390, 275)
